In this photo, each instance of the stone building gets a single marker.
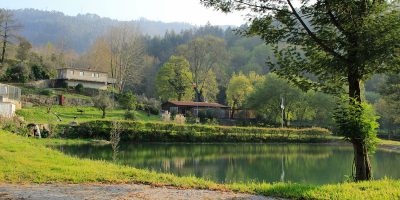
(88, 78)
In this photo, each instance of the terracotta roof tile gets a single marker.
(199, 104)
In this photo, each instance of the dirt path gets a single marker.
(103, 191)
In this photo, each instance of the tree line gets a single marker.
(207, 63)
(319, 47)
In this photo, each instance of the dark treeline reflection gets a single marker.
(300, 163)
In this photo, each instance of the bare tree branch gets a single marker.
(314, 37)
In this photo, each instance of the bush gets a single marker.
(130, 115)
(79, 88)
(179, 119)
(150, 105)
(166, 116)
(17, 73)
(63, 84)
(357, 121)
(14, 125)
(168, 132)
(212, 121)
(46, 92)
(127, 101)
(39, 72)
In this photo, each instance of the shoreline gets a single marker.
(115, 191)
(23, 156)
(387, 145)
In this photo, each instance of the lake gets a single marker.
(225, 163)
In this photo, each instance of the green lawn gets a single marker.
(27, 160)
(67, 114)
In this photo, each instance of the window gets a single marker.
(92, 74)
(173, 110)
(80, 73)
(72, 72)
(97, 75)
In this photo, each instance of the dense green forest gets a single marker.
(78, 32)
(207, 63)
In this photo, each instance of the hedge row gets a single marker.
(168, 132)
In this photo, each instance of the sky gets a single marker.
(189, 11)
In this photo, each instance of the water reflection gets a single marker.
(301, 163)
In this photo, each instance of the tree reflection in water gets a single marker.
(301, 163)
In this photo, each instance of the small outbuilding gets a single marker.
(193, 108)
(10, 100)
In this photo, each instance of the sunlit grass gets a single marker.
(67, 113)
(27, 160)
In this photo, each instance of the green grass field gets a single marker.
(67, 114)
(28, 160)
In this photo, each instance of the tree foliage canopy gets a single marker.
(239, 88)
(174, 80)
(329, 44)
(326, 40)
(206, 55)
(103, 102)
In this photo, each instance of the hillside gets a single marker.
(78, 32)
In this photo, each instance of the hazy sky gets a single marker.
(161, 10)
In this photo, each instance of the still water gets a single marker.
(300, 163)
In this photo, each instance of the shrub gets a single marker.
(212, 121)
(79, 88)
(63, 84)
(17, 73)
(171, 132)
(127, 101)
(179, 119)
(166, 116)
(150, 105)
(39, 72)
(357, 121)
(202, 115)
(130, 115)
(14, 125)
(190, 118)
(46, 92)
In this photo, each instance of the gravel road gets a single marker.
(107, 191)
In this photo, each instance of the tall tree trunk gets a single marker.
(233, 110)
(199, 94)
(362, 163)
(3, 53)
(104, 113)
(286, 119)
(179, 96)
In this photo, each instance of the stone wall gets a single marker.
(42, 100)
(49, 83)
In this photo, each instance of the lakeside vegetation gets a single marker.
(50, 166)
(306, 72)
(149, 128)
(170, 132)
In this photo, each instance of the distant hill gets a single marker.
(78, 32)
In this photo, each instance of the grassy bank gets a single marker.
(24, 160)
(389, 145)
(39, 114)
(169, 132)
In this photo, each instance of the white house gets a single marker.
(88, 78)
